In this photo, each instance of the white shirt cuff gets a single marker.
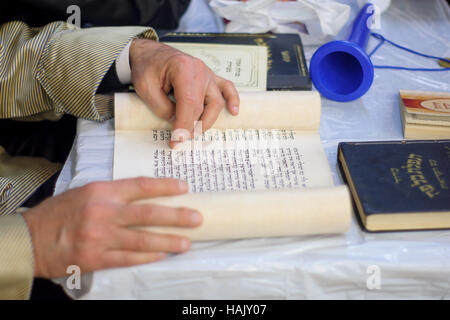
(123, 69)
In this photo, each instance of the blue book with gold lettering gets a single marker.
(286, 69)
(399, 185)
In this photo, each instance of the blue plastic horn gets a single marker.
(341, 70)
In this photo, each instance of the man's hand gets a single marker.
(89, 226)
(156, 69)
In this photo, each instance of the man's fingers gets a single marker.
(189, 89)
(133, 189)
(155, 215)
(145, 241)
(214, 104)
(123, 258)
(230, 94)
(157, 100)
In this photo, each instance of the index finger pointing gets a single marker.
(189, 107)
(189, 89)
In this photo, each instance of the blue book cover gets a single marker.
(399, 185)
(286, 69)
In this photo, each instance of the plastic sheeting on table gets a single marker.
(410, 264)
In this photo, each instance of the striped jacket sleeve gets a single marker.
(16, 258)
(57, 68)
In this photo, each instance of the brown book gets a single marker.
(425, 114)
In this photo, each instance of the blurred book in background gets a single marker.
(286, 65)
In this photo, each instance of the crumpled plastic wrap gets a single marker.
(315, 20)
(355, 265)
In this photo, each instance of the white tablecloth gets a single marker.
(405, 264)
